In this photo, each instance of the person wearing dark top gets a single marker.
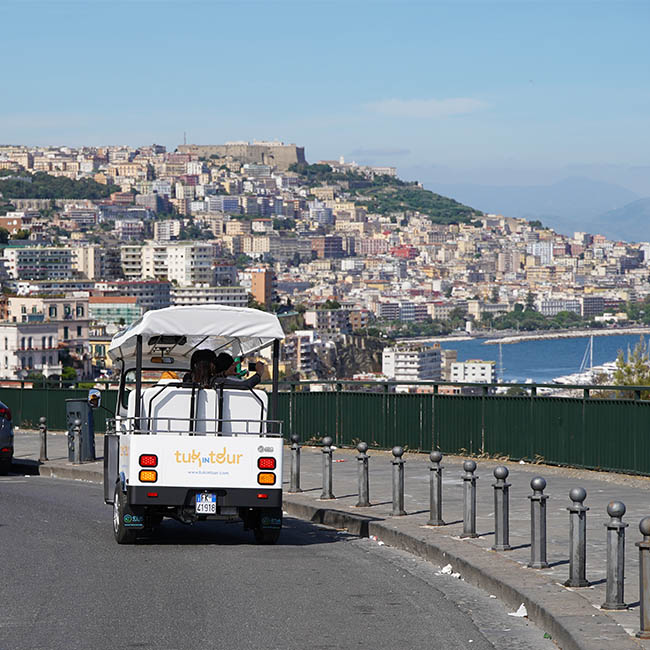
(226, 373)
(203, 367)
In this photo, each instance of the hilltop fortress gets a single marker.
(276, 154)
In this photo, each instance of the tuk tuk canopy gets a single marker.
(176, 332)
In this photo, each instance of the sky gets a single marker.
(488, 92)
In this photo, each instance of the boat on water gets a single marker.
(587, 372)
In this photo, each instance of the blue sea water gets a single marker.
(545, 359)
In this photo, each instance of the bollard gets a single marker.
(469, 499)
(501, 510)
(398, 482)
(435, 488)
(364, 483)
(644, 579)
(43, 429)
(615, 557)
(295, 464)
(327, 468)
(538, 524)
(577, 539)
(76, 430)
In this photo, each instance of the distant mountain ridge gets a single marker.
(630, 223)
(566, 206)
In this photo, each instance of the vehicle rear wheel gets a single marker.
(5, 466)
(123, 534)
(268, 526)
(266, 536)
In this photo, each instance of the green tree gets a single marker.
(4, 235)
(633, 370)
(21, 234)
(68, 373)
(530, 301)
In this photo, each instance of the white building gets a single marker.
(412, 363)
(474, 371)
(39, 263)
(26, 347)
(167, 229)
(232, 296)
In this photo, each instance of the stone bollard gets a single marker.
(364, 483)
(435, 489)
(469, 499)
(577, 539)
(295, 464)
(43, 429)
(501, 510)
(644, 579)
(327, 469)
(398, 481)
(76, 430)
(615, 557)
(538, 524)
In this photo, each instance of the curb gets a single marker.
(562, 613)
(572, 622)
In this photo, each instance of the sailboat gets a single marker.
(585, 373)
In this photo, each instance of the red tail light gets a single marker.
(266, 462)
(5, 413)
(152, 494)
(261, 495)
(5, 450)
(148, 460)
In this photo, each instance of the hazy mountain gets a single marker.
(629, 223)
(568, 205)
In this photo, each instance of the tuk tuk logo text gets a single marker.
(211, 458)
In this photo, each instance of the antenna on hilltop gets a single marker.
(184, 137)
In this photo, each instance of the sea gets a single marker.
(542, 360)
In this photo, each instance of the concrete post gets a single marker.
(577, 539)
(469, 499)
(76, 429)
(362, 471)
(43, 429)
(435, 490)
(501, 510)
(644, 579)
(538, 524)
(327, 469)
(615, 557)
(295, 464)
(398, 481)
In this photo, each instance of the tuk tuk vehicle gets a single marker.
(176, 449)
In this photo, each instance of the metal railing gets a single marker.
(602, 427)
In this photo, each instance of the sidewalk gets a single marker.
(572, 616)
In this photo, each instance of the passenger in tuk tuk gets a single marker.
(226, 373)
(203, 367)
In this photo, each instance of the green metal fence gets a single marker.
(590, 432)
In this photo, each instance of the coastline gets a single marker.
(494, 338)
(568, 334)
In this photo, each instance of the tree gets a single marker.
(530, 301)
(4, 235)
(68, 373)
(635, 370)
(495, 295)
(21, 234)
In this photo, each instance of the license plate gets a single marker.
(206, 504)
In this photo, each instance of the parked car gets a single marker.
(6, 439)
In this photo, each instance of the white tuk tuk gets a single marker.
(176, 449)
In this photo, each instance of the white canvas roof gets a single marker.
(236, 330)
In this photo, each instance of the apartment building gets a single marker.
(232, 296)
(474, 371)
(115, 310)
(263, 285)
(39, 263)
(330, 321)
(299, 351)
(29, 347)
(150, 294)
(412, 363)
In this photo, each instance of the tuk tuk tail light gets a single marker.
(148, 460)
(266, 478)
(148, 475)
(266, 462)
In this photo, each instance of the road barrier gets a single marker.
(327, 469)
(501, 509)
(538, 524)
(398, 481)
(294, 486)
(42, 426)
(435, 490)
(614, 598)
(469, 499)
(577, 539)
(362, 471)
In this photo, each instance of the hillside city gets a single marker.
(353, 259)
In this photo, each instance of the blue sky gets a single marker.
(494, 92)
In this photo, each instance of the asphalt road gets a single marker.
(66, 584)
